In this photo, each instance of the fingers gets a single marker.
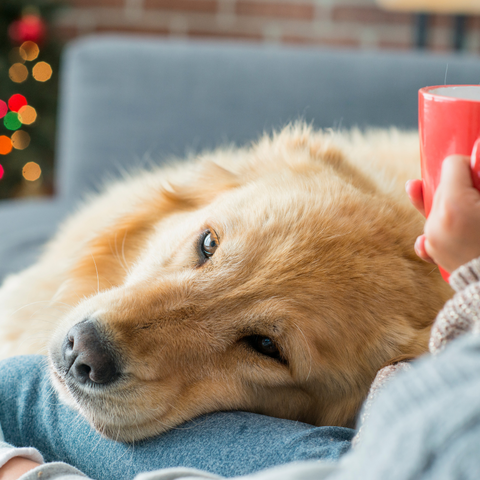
(475, 164)
(414, 190)
(420, 249)
(452, 230)
(453, 227)
(456, 176)
(453, 198)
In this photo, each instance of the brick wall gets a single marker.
(344, 23)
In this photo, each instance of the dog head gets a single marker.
(276, 282)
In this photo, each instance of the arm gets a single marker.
(26, 463)
(16, 467)
(451, 238)
(14, 462)
(461, 314)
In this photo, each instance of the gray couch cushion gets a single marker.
(25, 227)
(128, 99)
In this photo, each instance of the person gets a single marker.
(420, 421)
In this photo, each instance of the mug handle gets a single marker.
(475, 164)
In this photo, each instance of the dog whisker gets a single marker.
(96, 270)
(117, 255)
(123, 252)
(28, 305)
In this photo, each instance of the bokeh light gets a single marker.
(31, 171)
(15, 56)
(16, 102)
(18, 73)
(3, 108)
(11, 121)
(5, 145)
(2, 171)
(20, 140)
(42, 71)
(27, 115)
(29, 50)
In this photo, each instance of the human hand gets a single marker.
(452, 230)
(16, 467)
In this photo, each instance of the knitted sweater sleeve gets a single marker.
(461, 314)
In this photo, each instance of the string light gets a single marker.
(20, 140)
(5, 145)
(42, 72)
(29, 51)
(27, 115)
(3, 108)
(16, 102)
(28, 31)
(31, 171)
(18, 73)
(11, 121)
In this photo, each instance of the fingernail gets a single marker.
(475, 164)
(417, 245)
(406, 185)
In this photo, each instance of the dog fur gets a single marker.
(315, 252)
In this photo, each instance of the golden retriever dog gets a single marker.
(276, 278)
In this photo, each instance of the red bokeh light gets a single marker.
(16, 102)
(28, 28)
(3, 109)
(2, 171)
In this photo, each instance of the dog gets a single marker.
(277, 278)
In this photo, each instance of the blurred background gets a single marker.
(32, 33)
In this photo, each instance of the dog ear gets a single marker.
(324, 149)
(201, 185)
(333, 157)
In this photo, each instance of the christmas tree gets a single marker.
(29, 59)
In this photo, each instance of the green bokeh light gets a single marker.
(11, 121)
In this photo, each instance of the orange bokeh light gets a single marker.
(31, 171)
(18, 73)
(42, 71)
(27, 115)
(5, 145)
(29, 50)
(20, 140)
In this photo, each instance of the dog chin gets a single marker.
(121, 428)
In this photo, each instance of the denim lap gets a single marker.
(224, 443)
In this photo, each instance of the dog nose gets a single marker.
(86, 355)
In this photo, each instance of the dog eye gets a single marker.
(265, 346)
(209, 244)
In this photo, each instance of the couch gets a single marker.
(128, 101)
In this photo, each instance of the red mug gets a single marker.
(449, 123)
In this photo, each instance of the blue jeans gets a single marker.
(225, 443)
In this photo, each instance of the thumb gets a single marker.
(456, 176)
